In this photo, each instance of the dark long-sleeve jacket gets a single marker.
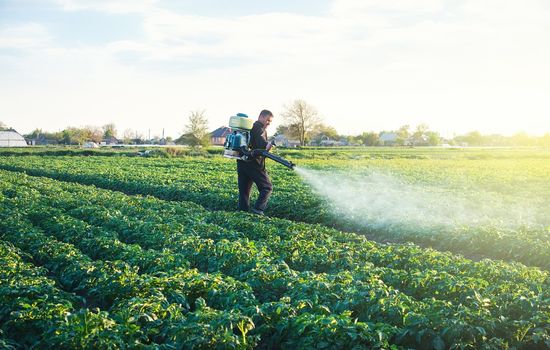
(258, 140)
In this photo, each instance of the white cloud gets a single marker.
(109, 6)
(24, 36)
(358, 8)
(369, 65)
(266, 37)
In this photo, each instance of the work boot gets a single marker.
(256, 211)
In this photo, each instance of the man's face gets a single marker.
(266, 120)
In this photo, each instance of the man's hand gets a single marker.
(271, 143)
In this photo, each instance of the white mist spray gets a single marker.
(375, 199)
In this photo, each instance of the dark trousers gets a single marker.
(249, 173)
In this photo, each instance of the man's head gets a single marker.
(265, 117)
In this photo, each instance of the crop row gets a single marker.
(158, 304)
(121, 213)
(157, 307)
(320, 153)
(169, 308)
(36, 313)
(211, 183)
(492, 317)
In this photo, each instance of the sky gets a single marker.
(365, 65)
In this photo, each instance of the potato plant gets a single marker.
(174, 274)
(515, 177)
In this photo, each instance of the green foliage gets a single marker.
(109, 130)
(86, 267)
(174, 274)
(511, 175)
(196, 131)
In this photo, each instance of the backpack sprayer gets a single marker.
(237, 144)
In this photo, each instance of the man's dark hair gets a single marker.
(265, 113)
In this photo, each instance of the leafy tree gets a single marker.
(403, 134)
(109, 130)
(522, 139)
(302, 118)
(35, 134)
(353, 140)
(3, 126)
(49, 137)
(185, 139)
(92, 133)
(433, 138)
(72, 136)
(473, 138)
(419, 135)
(322, 131)
(197, 129)
(370, 138)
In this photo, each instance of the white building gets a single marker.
(283, 141)
(388, 138)
(90, 145)
(11, 138)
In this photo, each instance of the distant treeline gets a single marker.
(475, 138)
(319, 135)
(324, 135)
(111, 151)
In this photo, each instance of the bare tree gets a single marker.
(303, 117)
(92, 133)
(197, 128)
(128, 135)
(289, 131)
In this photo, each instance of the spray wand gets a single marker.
(265, 153)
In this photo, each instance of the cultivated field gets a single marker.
(113, 251)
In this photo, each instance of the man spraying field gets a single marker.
(249, 145)
(254, 171)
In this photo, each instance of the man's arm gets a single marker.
(258, 139)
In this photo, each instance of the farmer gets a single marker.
(254, 171)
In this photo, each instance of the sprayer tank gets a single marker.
(241, 121)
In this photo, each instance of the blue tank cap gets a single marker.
(242, 115)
